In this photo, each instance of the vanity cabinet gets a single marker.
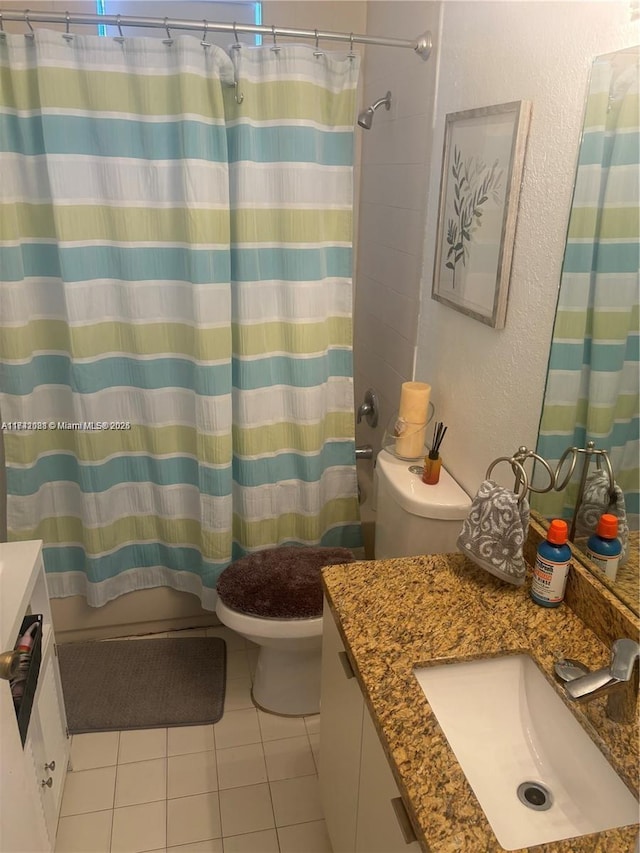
(31, 776)
(363, 810)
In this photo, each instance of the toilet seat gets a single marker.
(252, 626)
(280, 583)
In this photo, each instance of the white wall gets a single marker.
(487, 385)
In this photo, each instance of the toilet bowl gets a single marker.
(413, 518)
(287, 677)
(274, 598)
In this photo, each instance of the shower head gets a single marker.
(365, 118)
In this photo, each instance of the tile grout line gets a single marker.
(166, 787)
(115, 783)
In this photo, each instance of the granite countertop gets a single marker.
(394, 615)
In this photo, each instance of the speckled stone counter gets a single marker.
(394, 615)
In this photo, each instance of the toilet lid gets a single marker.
(279, 583)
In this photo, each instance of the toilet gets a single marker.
(273, 597)
(413, 518)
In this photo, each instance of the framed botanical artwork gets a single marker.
(482, 164)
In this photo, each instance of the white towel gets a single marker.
(597, 499)
(494, 532)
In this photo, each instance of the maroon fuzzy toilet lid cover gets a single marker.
(279, 583)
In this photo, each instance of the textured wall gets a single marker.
(488, 385)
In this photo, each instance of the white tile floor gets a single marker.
(248, 784)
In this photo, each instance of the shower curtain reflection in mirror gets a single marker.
(592, 382)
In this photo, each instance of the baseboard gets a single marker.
(147, 611)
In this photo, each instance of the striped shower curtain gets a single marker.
(157, 424)
(592, 383)
(290, 168)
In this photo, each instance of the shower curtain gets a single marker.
(175, 298)
(592, 383)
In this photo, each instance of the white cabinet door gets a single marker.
(21, 815)
(379, 825)
(54, 738)
(341, 709)
(34, 756)
(31, 777)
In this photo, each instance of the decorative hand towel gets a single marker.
(596, 500)
(494, 532)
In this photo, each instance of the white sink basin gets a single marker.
(507, 726)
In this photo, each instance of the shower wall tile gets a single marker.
(393, 184)
(396, 153)
(394, 349)
(399, 315)
(390, 267)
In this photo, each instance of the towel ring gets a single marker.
(521, 473)
(572, 467)
(589, 451)
(521, 456)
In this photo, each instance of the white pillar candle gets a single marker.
(412, 419)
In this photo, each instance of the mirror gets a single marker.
(592, 381)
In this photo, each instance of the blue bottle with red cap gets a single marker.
(552, 566)
(604, 548)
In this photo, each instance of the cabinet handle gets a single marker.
(48, 783)
(50, 766)
(348, 669)
(403, 820)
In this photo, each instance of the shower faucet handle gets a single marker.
(369, 408)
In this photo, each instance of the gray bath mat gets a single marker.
(143, 684)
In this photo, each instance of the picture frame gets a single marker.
(482, 165)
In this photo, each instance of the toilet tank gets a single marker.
(413, 518)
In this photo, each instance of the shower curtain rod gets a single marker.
(421, 45)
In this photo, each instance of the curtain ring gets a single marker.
(204, 41)
(237, 94)
(236, 45)
(169, 39)
(275, 47)
(351, 54)
(119, 38)
(317, 52)
(67, 35)
(31, 34)
(1, 24)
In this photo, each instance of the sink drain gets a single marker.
(535, 796)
